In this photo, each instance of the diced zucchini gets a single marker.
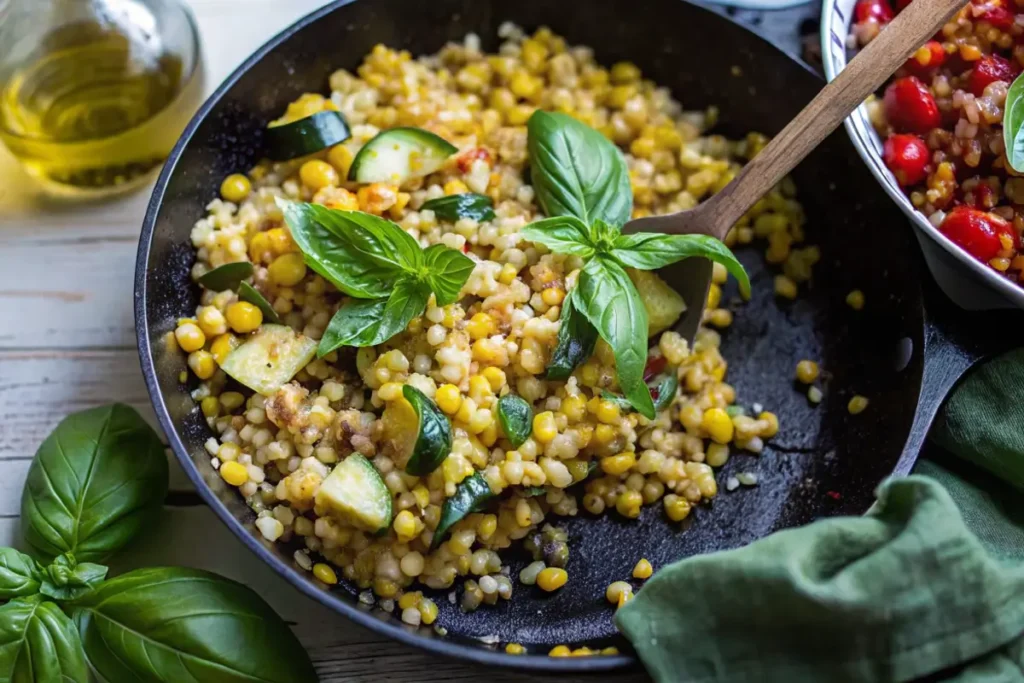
(306, 136)
(663, 304)
(398, 154)
(355, 493)
(270, 358)
(419, 433)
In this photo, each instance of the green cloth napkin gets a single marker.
(929, 584)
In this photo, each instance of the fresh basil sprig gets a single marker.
(388, 275)
(1013, 124)
(97, 482)
(582, 183)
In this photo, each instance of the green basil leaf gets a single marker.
(227, 277)
(175, 624)
(479, 207)
(471, 495)
(20, 575)
(362, 322)
(447, 272)
(516, 417)
(534, 491)
(1013, 130)
(561, 234)
(66, 579)
(361, 254)
(96, 482)
(650, 251)
(604, 235)
(576, 340)
(663, 393)
(576, 171)
(39, 644)
(607, 297)
(247, 292)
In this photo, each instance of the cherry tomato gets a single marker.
(977, 232)
(907, 156)
(877, 10)
(928, 58)
(910, 107)
(465, 160)
(994, 15)
(989, 69)
(654, 367)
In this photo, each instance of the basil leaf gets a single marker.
(39, 644)
(516, 417)
(97, 481)
(1013, 118)
(561, 234)
(20, 575)
(227, 277)
(176, 624)
(607, 297)
(534, 491)
(471, 495)
(65, 579)
(358, 253)
(247, 292)
(663, 393)
(604, 235)
(362, 322)
(576, 171)
(447, 272)
(479, 207)
(576, 340)
(649, 251)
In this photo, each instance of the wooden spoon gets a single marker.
(914, 26)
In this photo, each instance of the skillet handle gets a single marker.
(954, 341)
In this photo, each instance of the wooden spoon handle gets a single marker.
(914, 26)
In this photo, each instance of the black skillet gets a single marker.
(901, 351)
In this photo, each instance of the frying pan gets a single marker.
(904, 350)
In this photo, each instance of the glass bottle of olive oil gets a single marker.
(94, 93)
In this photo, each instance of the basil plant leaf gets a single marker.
(650, 251)
(1013, 124)
(362, 322)
(227, 276)
(175, 624)
(471, 495)
(96, 482)
(359, 253)
(479, 207)
(561, 234)
(65, 579)
(576, 171)
(39, 644)
(576, 341)
(20, 575)
(607, 297)
(447, 272)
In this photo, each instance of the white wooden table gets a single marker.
(67, 342)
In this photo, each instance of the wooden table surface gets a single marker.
(67, 342)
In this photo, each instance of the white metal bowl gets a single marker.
(971, 284)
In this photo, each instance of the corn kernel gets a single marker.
(552, 578)
(202, 364)
(717, 423)
(448, 398)
(624, 72)
(676, 507)
(615, 589)
(235, 188)
(316, 174)
(481, 325)
(325, 573)
(785, 287)
(405, 526)
(210, 406)
(628, 503)
(604, 434)
(544, 428)
(807, 371)
(281, 241)
(410, 599)
(495, 378)
(287, 270)
(243, 317)
(479, 388)
(222, 346)
(773, 424)
(552, 296)
(616, 465)
(189, 337)
(714, 296)
(608, 412)
(643, 569)
(508, 274)
(428, 611)
(855, 300)
(341, 157)
(211, 321)
(234, 473)
(560, 651)
(260, 250)
(515, 649)
(385, 588)
(857, 405)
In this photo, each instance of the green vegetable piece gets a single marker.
(418, 431)
(663, 392)
(471, 495)
(270, 358)
(65, 579)
(227, 277)
(516, 418)
(562, 234)
(576, 171)
(20, 575)
(1013, 130)
(368, 322)
(733, 411)
(447, 272)
(306, 136)
(611, 303)
(399, 154)
(479, 207)
(355, 492)
(247, 292)
(38, 643)
(650, 251)
(95, 483)
(534, 491)
(178, 624)
(576, 341)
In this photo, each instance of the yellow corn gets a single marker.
(643, 569)
(544, 428)
(235, 188)
(807, 371)
(244, 317)
(717, 423)
(325, 573)
(552, 578)
(857, 405)
(234, 473)
(448, 398)
(618, 464)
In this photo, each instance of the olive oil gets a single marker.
(94, 108)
